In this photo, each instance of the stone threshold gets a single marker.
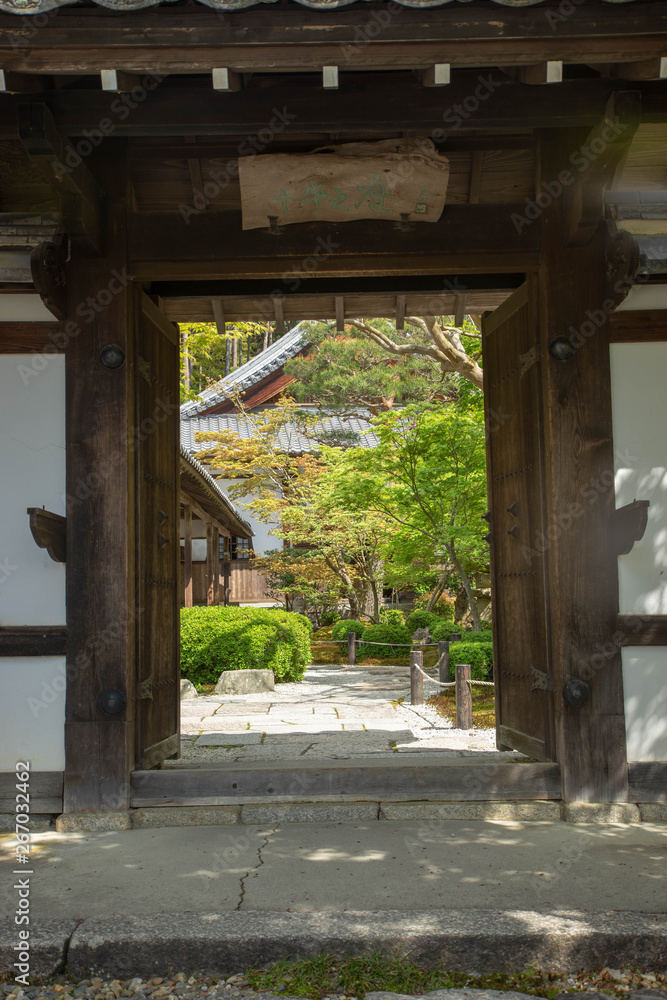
(260, 814)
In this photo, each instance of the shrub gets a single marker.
(391, 616)
(478, 654)
(486, 635)
(443, 630)
(397, 634)
(422, 619)
(214, 639)
(341, 628)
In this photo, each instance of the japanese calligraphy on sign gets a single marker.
(400, 180)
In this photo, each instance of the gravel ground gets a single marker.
(634, 985)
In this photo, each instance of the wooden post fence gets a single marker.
(463, 696)
(416, 678)
(351, 648)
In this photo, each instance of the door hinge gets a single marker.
(146, 688)
(539, 681)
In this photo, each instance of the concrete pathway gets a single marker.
(334, 713)
(371, 866)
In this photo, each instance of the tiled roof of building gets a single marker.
(253, 371)
(291, 440)
(220, 497)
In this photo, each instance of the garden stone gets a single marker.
(421, 635)
(188, 690)
(245, 682)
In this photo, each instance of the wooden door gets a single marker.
(157, 536)
(519, 539)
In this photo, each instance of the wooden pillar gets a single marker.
(216, 565)
(210, 571)
(416, 678)
(578, 289)
(462, 673)
(99, 746)
(187, 517)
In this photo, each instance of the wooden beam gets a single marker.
(648, 781)
(643, 69)
(643, 630)
(459, 315)
(192, 40)
(279, 317)
(187, 571)
(20, 83)
(598, 157)
(400, 312)
(339, 304)
(343, 781)
(330, 77)
(82, 200)
(476, 170)
(628, 327)
(21, 338)
(117, 82)
(392, 102)
(437, 75)
(226, 79)
(219, 317)
(467, 237)
(550, 71)
(33, 640)
(46, 792)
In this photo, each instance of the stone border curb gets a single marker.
(259, 812)
(48, 945)
(466, 940)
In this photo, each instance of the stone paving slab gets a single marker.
(218, 739)
(48, 945)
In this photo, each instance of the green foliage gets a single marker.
(390, 634)
(444, 629)
(422, 619)
(486, 635)
(478, 654)
(345, 625)
(392, 616)
(443, 607)
(214, 639)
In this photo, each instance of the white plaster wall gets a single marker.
(639, 407)
(32, 474)
(645, 693)
(263, 540)
(32, 717)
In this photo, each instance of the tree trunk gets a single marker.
(438, 589)
(467, 586)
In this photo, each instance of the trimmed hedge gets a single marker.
(478, 654)
(398, 634)
(443, 630)
(341, 628)
(486, 635)
(422, 619)
(214, 639)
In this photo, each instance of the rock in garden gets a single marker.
(188, 690)
(245, 682)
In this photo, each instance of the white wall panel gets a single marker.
(645, 693)
(32, 722)
(32, 467)
(639, 406)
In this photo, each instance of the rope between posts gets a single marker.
(449, 684)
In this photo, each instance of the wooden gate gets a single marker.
(518, 535)
(157, 536)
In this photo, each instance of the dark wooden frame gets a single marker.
(33, 640)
